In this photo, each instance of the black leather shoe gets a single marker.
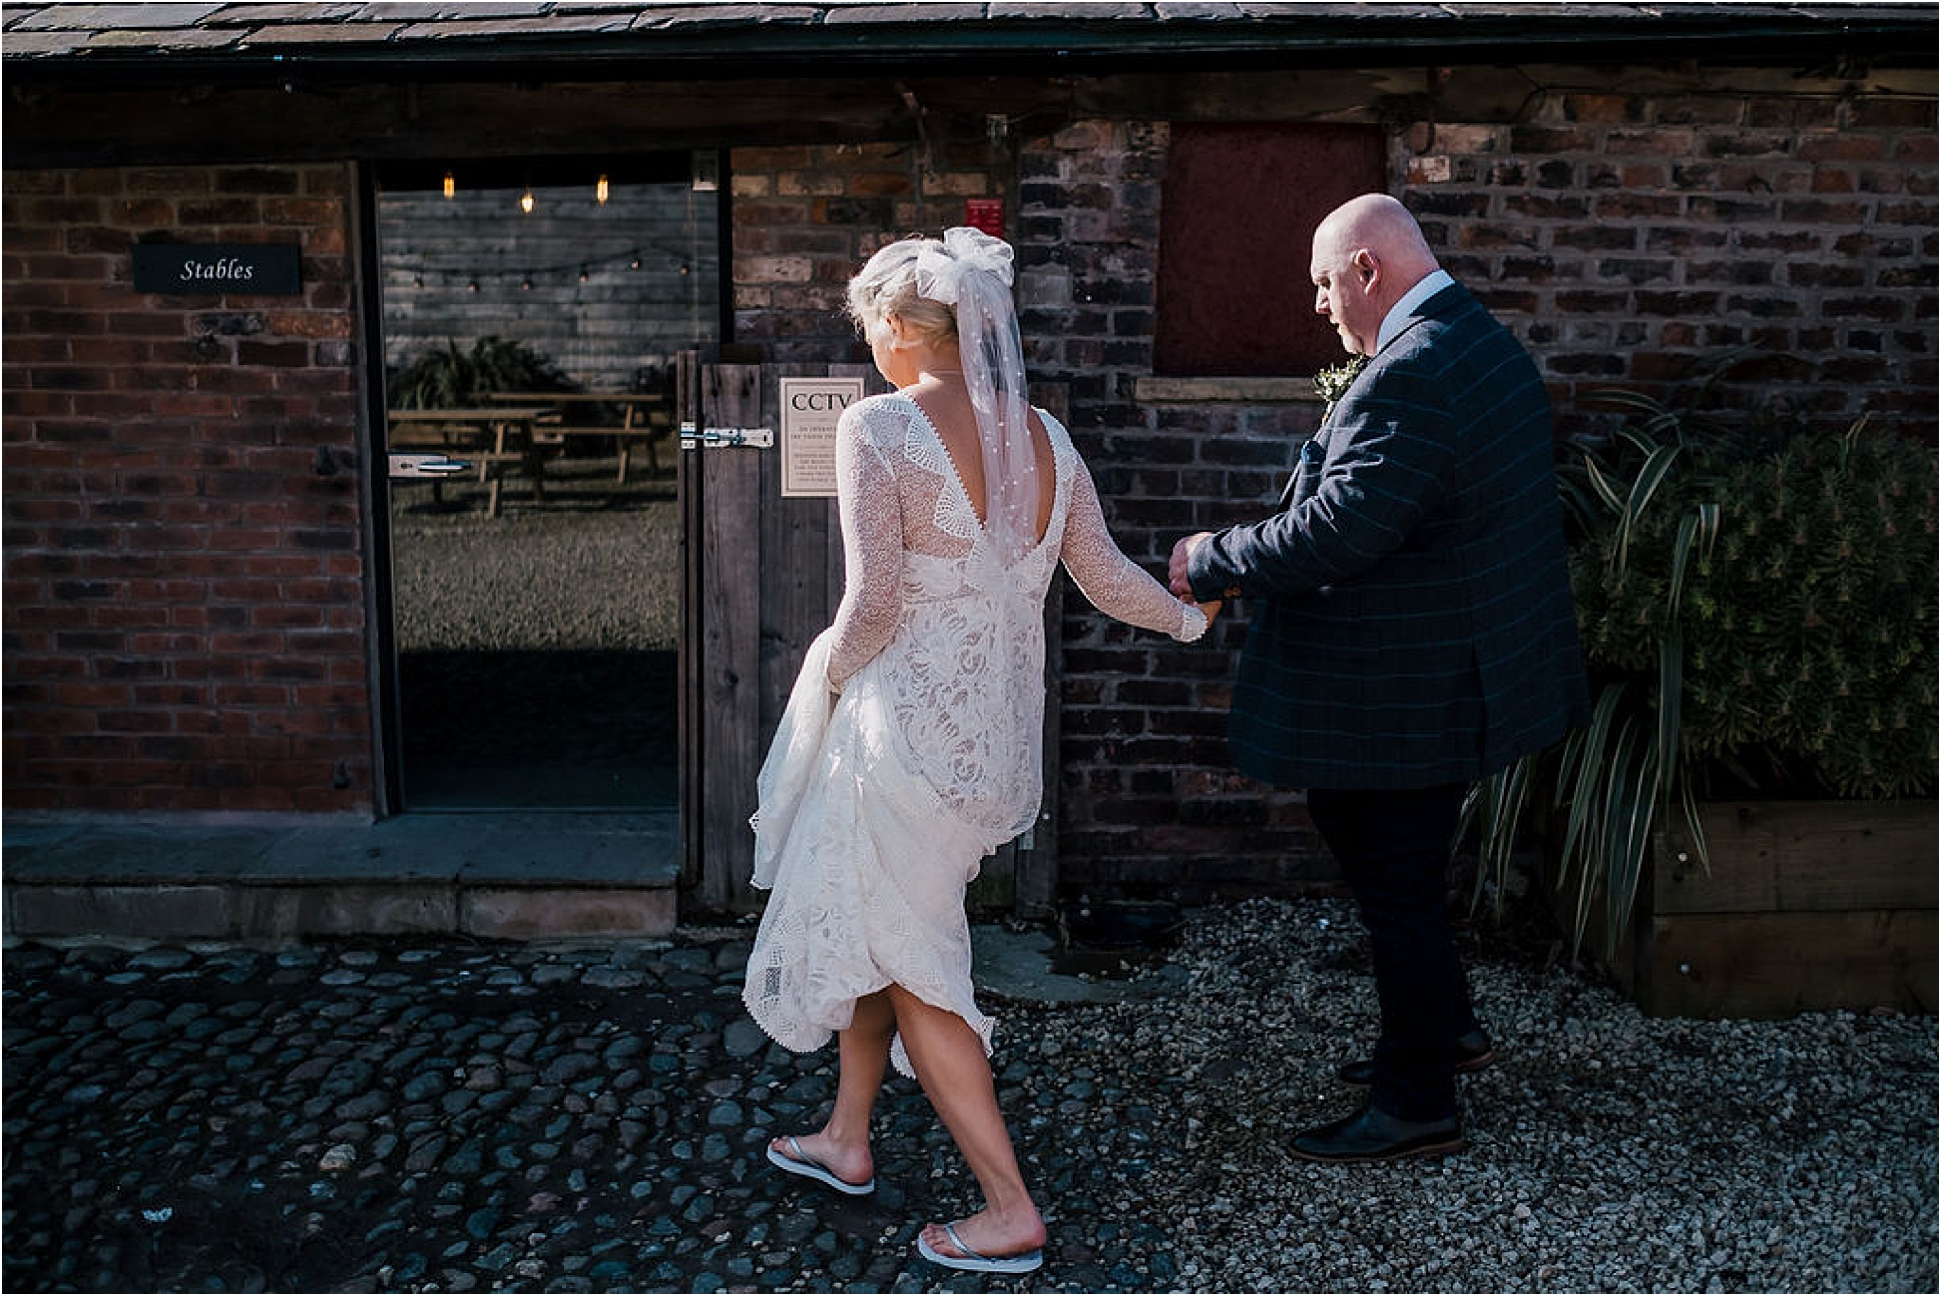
(1473, 1053)
(1371, 1134)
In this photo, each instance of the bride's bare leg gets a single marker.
(950, 1064)
(863, 1054)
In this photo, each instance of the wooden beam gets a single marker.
(54, 124)
(1777, 964)
(1799, 855)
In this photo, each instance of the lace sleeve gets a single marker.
(1115, 584)
(872, 549)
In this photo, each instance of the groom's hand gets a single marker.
(1176, 568)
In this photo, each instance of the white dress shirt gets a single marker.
(1398, 314)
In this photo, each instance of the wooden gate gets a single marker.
(761, 577)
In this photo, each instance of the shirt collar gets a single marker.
(1432, 283)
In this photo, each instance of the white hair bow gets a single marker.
(941, 271)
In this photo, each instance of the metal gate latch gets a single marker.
(720, 438)
(425, 465)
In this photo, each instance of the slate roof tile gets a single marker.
(39, 32)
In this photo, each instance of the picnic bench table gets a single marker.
(643, 418)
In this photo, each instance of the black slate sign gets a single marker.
(238, 269)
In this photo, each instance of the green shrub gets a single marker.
(446, 377)
(1758, 616)
(1808, 628)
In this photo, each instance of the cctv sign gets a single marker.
(810, 410)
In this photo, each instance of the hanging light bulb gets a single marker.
(526, 284)
(600, 191)
(451, 184)
(634, 264)
(473, 286)
(525, 201)
(417, 281)
(583, 275)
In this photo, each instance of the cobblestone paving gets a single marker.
(422, 1116)
(367, 1117)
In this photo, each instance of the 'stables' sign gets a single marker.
(238, 269)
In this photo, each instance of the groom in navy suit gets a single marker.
(1412, 632)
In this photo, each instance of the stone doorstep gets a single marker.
(270, 910)
(529, 876)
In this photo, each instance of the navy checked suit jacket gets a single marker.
(1413, 622)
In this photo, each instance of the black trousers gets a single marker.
(1393, 848)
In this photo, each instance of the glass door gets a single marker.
(532, 310)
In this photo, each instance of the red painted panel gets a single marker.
(1239, 209)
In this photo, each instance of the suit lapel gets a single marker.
(1313, 451)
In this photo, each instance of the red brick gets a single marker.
(1650, 143)
(1881, 113)
(39, 182)
(63, 211)
(1841, 148)
(1600, 108)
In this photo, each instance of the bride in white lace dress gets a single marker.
(911, 746)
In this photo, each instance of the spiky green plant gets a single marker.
(1758, 617)
(448, 377)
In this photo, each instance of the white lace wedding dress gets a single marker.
(877, 803)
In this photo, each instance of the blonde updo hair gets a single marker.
(887, 285)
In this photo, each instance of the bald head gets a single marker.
(1383, 226)
(1368, 253)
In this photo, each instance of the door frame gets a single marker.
(382, 671)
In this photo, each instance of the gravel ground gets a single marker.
(366, 1116)
(536, 660)
(595, 567)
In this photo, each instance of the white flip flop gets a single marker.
(1023, 1263)
(809, 1168)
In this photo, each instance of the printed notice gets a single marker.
(810, 408)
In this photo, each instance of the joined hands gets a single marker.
(1176, 577)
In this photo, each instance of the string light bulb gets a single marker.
(451, 185)
(583, 274)
(600, 191)
(525, 201)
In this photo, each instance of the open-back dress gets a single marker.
(911, 745)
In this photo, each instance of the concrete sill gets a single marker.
(1154, 390)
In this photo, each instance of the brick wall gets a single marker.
(1627, 236)
(1622, 236)
(805, 218)
(1150, 802)
(184, 621)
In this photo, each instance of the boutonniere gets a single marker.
(1331, 383)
